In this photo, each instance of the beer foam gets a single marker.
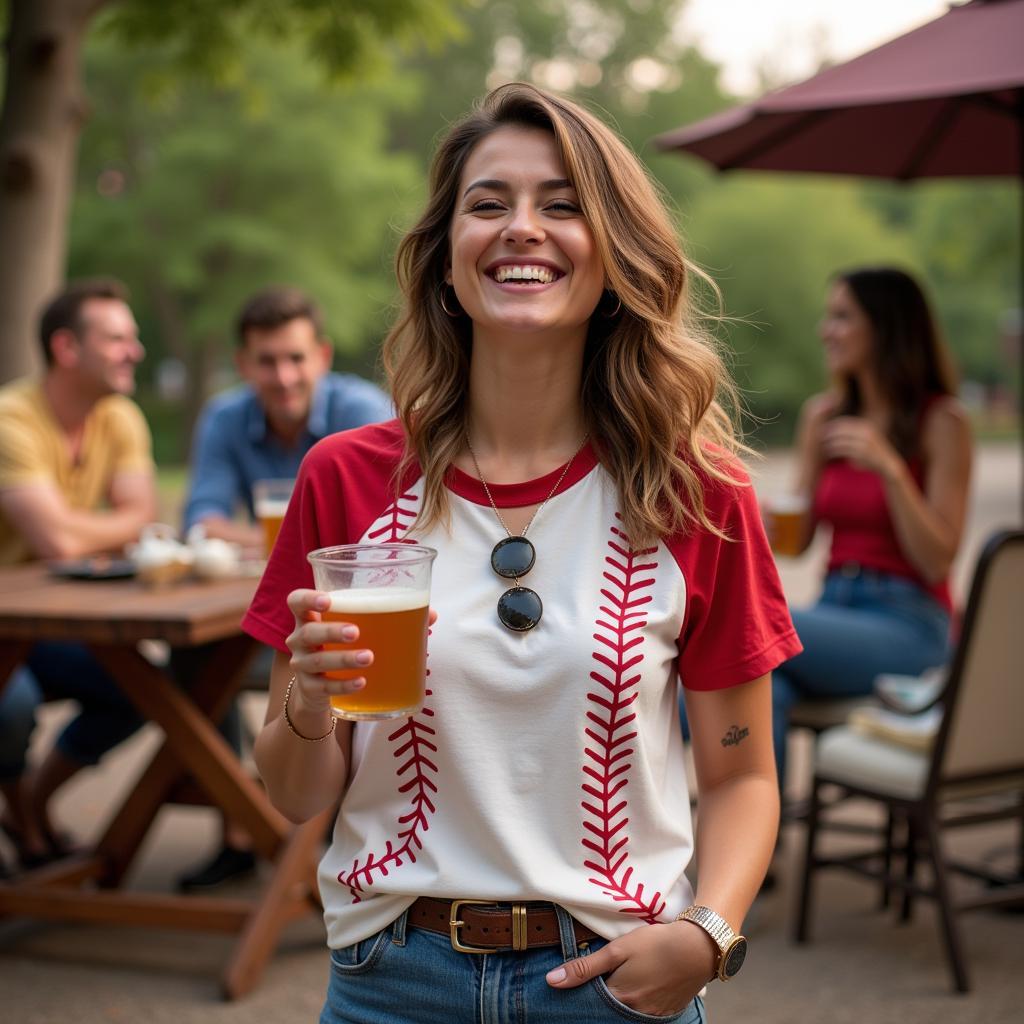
(788, 504)
(378, 599)
(271, 508)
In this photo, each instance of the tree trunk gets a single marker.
(40, 121)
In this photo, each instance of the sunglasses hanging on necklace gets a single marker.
(519, 608)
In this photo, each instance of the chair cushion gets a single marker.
(846, 756)
(821, 714)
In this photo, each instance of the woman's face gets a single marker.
(846, 332)
(522, 255)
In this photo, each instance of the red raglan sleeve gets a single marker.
(736, 626)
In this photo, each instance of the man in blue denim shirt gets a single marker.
(261, 430)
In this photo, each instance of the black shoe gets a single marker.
(228, 864)
(27, 859)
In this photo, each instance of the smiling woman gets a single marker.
(525, 835)
(523, 257)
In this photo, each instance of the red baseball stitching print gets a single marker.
(413, 748)
(607, 762)
(394, 522)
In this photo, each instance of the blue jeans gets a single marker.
(865, 623)
(55, 671)
(410, 976)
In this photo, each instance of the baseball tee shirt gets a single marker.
(33, 449)
(545, 765)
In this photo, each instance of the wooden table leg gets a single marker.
(288, 896)
(291, 890)
(216, 685)
(195, 747)
(198, 746)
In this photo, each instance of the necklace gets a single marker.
(519, 608)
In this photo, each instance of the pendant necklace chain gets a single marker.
(537, 510)
(519, 608)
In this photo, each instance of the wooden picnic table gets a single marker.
(193, 765)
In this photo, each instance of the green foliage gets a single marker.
(620, 57)
(199, 194)
(772, 243)
(345, 37)
(968, 238)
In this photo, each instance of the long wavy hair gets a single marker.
(654, 390)
(911, 360)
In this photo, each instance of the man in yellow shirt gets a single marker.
(76, 479)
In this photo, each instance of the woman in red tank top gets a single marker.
(884, 458)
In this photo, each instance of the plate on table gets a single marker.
(98, 567)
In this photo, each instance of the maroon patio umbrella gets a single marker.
(946, 99)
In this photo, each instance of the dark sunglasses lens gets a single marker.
(512, 557)
(520, 609)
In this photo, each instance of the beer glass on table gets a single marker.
(270, 502)
(384, 589)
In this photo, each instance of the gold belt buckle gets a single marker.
(519, 933)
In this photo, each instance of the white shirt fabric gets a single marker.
(545, 765)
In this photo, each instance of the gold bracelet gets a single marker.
(288, 718)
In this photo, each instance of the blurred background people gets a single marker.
(260, 430)
(289, 400)
(884, 460)
(76, 479)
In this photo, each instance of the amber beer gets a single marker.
(270, 503)
(271, 516)
(786, 524)
(384, 590)
(392, 623)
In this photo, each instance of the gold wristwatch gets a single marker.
(732, 948)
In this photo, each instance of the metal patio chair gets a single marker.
(973, 773)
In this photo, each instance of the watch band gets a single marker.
(714, 924)
(732, 948)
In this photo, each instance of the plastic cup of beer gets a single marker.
(786, 515)
(270, 502)
(384, 589)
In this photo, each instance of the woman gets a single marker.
(549, 383)
(884, 459)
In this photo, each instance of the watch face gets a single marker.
(733, 960)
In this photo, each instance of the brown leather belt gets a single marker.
(483, 926)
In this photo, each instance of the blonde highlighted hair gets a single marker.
(654, 391)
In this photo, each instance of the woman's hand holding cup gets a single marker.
(320, 647)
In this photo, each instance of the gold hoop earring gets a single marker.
(615, 312)
(444, 285)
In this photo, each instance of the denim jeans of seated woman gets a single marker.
(410, 976)
(862, 626)
(55, 671)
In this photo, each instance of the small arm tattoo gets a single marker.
(735, 735)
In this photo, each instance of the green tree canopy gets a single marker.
(772, 243)
(196, 195)
(44, 108)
